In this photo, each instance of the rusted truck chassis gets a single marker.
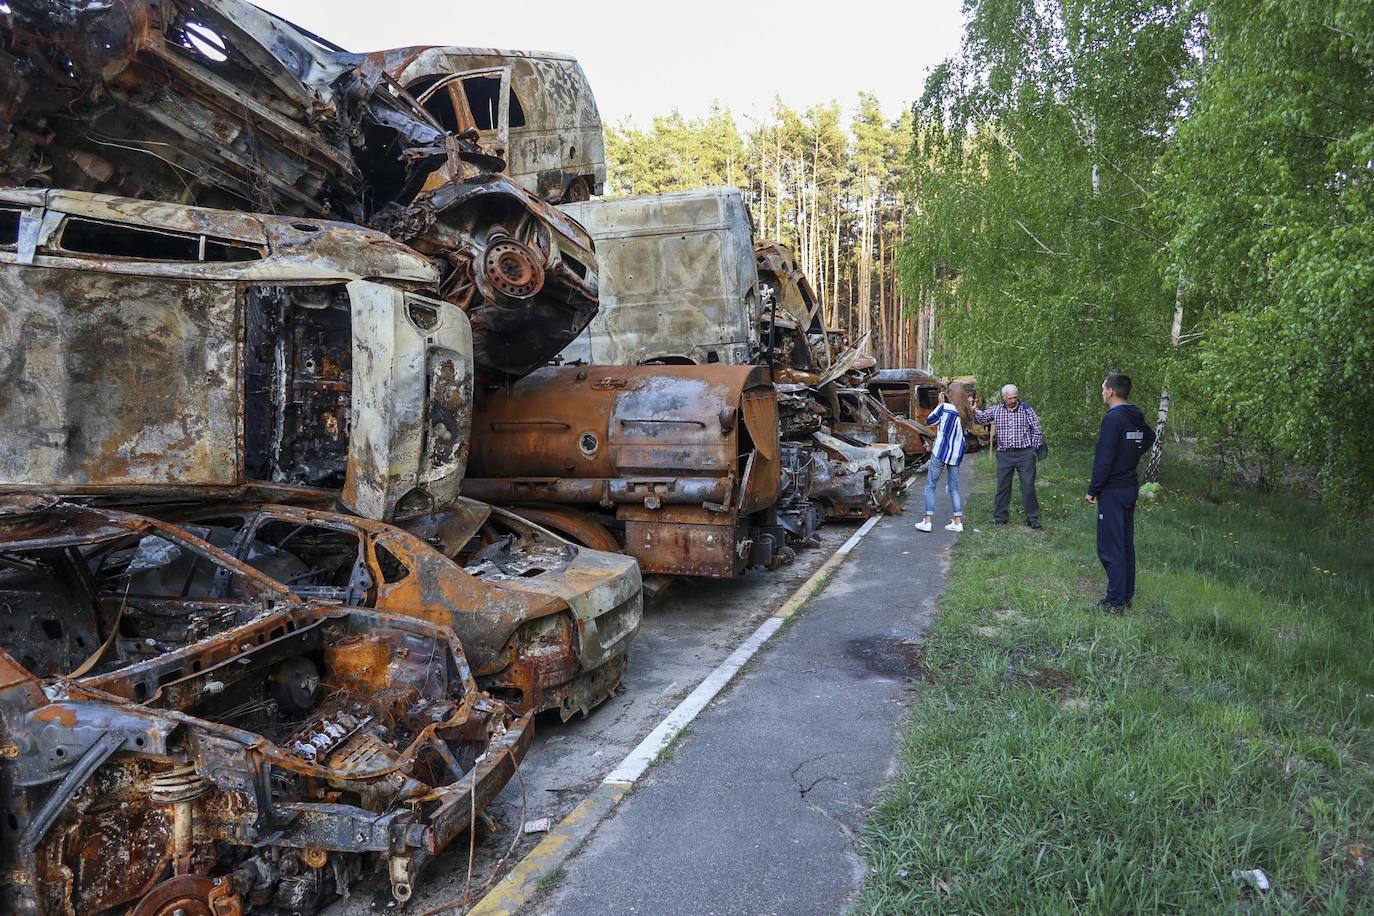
(190, 737)
(684, 460)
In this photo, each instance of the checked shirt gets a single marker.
(1019, 428)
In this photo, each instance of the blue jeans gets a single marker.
(951, 482)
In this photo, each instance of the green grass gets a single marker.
(1060, 760)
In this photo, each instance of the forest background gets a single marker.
(1183, 191)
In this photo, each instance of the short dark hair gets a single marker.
(1119, 383)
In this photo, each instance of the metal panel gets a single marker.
(678, 280)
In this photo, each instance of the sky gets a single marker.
(646, 58)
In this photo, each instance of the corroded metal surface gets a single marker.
(214, 102)
(537, 616)
(856, 481)
(695, 447)
(195, 720)
(137, 363)
(219, 103)
(678, 282)
(546, 124)
(864, 418)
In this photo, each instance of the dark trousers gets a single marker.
(1116, 541)
(1022, 462)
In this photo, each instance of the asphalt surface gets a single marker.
(758, 807)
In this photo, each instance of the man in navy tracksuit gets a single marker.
(1114, 488)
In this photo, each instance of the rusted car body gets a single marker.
(178, 733)
(684, 458)
(860, 416)
(857, 480)
(678, 281)
(220, 104)
(909, 393)
(533, 109)
(170, 349)
(545, 624)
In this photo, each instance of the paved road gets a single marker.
(758, 808)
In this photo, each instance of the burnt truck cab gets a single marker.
(678, 281)
(170, 349)
(180, 731)
(533, 109)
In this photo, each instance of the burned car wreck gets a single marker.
(545, 624)
(174, 360)
(180, 734)
(217, 103)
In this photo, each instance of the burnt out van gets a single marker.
(534, 109)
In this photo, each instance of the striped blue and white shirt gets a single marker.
(949, 438)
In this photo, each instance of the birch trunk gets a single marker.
(1162, 417)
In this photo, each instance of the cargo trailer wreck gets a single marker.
(179, 733)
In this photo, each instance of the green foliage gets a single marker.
(1232, 143)
(675, 154)
(1032, 179)
(1268, 188)
(1062, 760)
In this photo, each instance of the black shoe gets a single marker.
(1103, 605)
(999, 521)
(1034, 526)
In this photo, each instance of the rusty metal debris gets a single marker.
(678, 281)
(545, 624)
(179, 730)
(683, 460)
(685, 282)
(220, 104)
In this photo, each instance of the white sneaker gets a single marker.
(955, 525)
(924, 525)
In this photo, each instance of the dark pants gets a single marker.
(1116, 541)
(1022, 462)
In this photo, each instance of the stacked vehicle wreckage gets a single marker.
(276, 316)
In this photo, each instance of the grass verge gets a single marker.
(1062, 760)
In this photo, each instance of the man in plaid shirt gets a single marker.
(1016, 431)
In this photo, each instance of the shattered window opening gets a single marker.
(484, 101)
(87, 236)
(439, 105)
(329, 562)
(9, 226)
(391, 568)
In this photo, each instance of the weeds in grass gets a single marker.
(1075, 761)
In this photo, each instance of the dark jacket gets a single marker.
(1124, 437)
